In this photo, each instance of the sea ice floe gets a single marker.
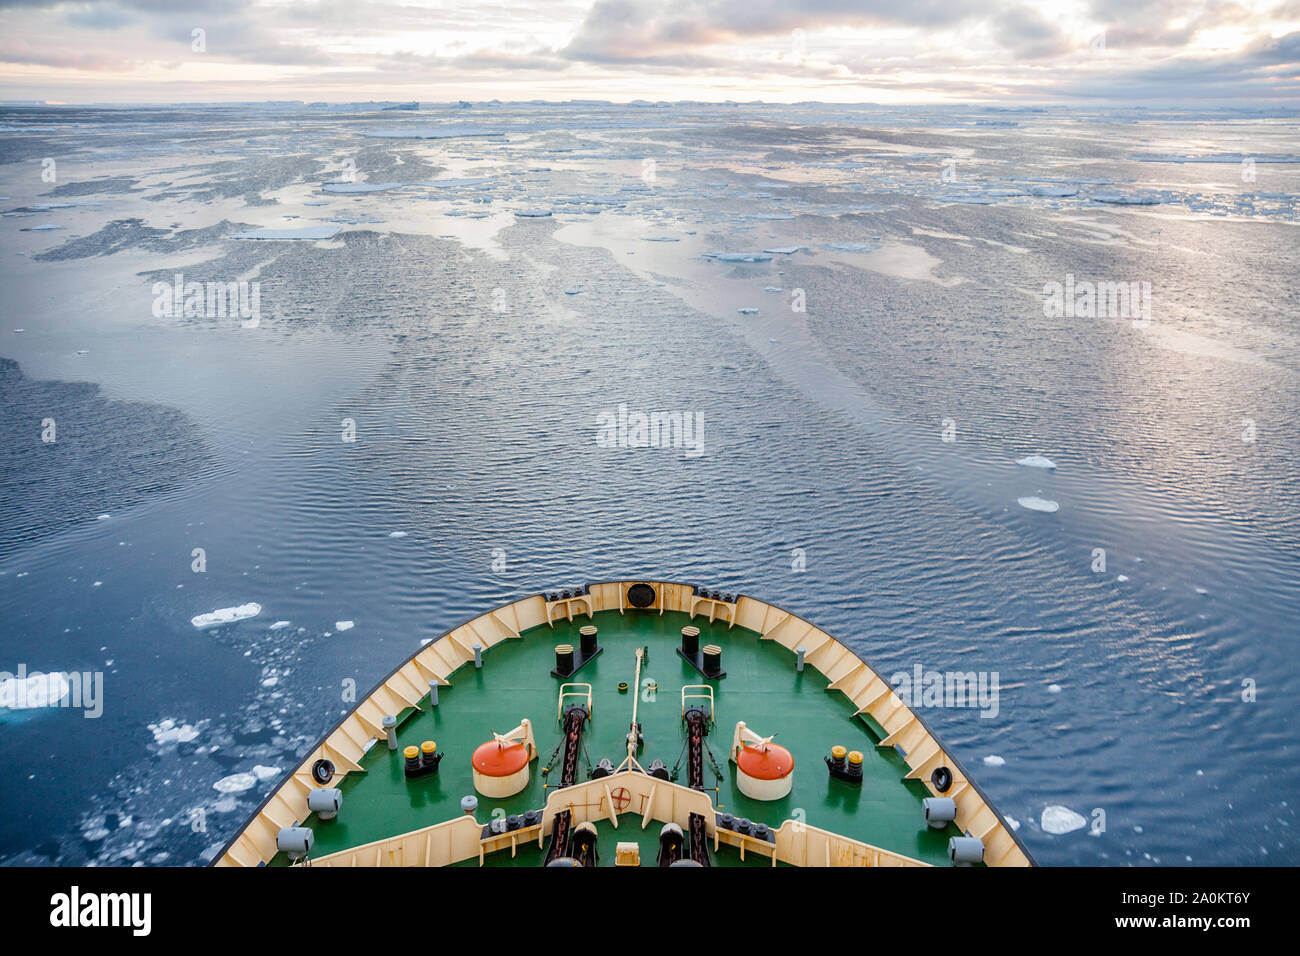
(772, 288)
(1036, 461)
(573, 292)
(361, 187)
(1121, 578)
(1012, 822)
(38, 690)
(850, 246)
(1053, 688)
(1128, 199)
(235, 783)
(739, 256)
(306, 232)
(447, 131)
(1038, 504)
(1057, 819)
(279, 625)
(168, 731)
(226, 615)
(397, 534)
(343, 625)
(533, 213)
(993, 760)
(748, 311)
(1055, 192)
(44, 227)
(265, 773)
(783, 250)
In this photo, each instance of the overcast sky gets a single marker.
(883, 51)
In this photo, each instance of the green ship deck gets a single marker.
(808, 712)
(761, 687)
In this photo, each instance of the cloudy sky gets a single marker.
(883, 51)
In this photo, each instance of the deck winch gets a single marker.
(501, 765)
(764, 770)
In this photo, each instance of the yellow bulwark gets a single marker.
(458, 839)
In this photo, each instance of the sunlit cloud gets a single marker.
(835, 50)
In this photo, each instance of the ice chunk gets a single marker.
(446, 131)
(772, 288)
(1036, 461)
(533, 213)
(1057, 819)
(748, 311)
(739, 256)
(343, 625)
(37, 690)
(170, 732)
(783, 250)
(306, 232)
(1037, 504)
(266, 773)
(227, 615)
(993, 760)
(1057, 192)
(360, 187)
(279, 625)
(235, 783)
(1128, 199)
(397, 534)
(573, 292)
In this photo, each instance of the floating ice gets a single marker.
(748, 311)
(850, 246)
(573, 292)
(1012, 822)
(533, 213)
(993, 760)
(1038, 504)
(235, 783)
(397, 534)
(360, 187)
(44, 227)
(662, 239)
(1128, 199)
(784, 250)
(306, 232)
(227, 615)
(265, 773)
(168, 731)
(1036, 461)
(280, 625)
(37, 690)
(772, 288)
(739, 256)
(343, 625)
(1121, 578)
(447, 131)
(1056, 192)
(1053, 688)
(1058, 820)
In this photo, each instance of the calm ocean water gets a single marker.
(862, 393)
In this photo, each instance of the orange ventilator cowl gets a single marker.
(493, 760)
(772, 763)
